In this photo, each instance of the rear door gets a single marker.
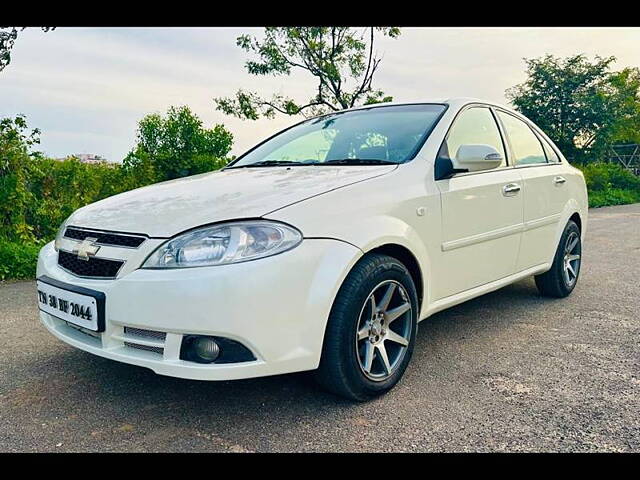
(544, 190)
(481, 211)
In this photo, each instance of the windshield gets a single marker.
(374, 136)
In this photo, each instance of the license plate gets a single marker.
(78, 305)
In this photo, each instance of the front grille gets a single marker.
(158, 350)
(94, 267)
(105, 238)
(134, 336)
(139, 332)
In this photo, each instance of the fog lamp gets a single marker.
(200, 349)
(206, 348)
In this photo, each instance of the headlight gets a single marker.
(60, 234)
(223, 244)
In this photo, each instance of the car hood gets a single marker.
(168, 208)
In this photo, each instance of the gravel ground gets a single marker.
(509, 371)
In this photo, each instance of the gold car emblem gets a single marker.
(87, 248)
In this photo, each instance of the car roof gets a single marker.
(455, 102)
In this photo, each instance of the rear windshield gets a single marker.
(373, 136)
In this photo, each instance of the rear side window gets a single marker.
(475, 126)
(526, 147)
(552, 156)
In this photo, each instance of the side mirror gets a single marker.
(475, 158)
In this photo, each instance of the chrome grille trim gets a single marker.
(139, 332)
(148, 348)
(142, 339)
(105, 237)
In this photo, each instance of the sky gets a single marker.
(86, 88)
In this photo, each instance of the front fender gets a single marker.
(376, 231)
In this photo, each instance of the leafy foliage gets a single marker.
(613, 196)
(57, 188)
(16, 142)
(342, 60)
(610, 184)
(18, 260)
(580, 104)
(176, 145)
(8, 37)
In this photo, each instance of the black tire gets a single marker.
(554, 283)
(340, 369)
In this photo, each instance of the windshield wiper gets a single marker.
(314, 162)
(360, 161)
(272, 163)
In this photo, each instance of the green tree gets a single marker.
(8, 37)
(16, 143)
(580, 104)
(176, 145)
(341, 59)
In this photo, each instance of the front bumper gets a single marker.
(277, 307)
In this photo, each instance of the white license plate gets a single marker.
(77, 305)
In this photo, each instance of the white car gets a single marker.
(319, 249)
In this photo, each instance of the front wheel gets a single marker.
(561, 279)
(371, 330)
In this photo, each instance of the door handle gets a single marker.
(559, 180)
(510, 189)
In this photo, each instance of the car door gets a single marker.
(544, 190)
(481, 211)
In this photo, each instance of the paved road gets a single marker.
(509, 371)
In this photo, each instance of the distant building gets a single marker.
(90, 158)
(87, 158)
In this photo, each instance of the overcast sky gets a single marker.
(86, 88)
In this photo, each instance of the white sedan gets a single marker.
(321, 248)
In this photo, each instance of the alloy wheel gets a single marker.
(571, 259)
(384, 330)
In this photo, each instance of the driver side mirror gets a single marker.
(475, 158)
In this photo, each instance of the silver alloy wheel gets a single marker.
(571, 259)
(384, 330)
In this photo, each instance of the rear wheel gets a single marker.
(561, 279)
(371, 330)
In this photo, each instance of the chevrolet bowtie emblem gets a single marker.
(87, 248)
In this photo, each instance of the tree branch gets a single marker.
(366, 73)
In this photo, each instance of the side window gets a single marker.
(475, 126)
(551, 154)
(527, 149)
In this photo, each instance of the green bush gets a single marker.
(610, 184)
(58, 188)
(18, 260)
(613, 196)
(601, 176)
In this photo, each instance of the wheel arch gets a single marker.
(409, 260)
(393, 248)
(571, 211)
(576, 218)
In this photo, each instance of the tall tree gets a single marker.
(8, 36)
(342, 61)
(580, 104)
(177, 145)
